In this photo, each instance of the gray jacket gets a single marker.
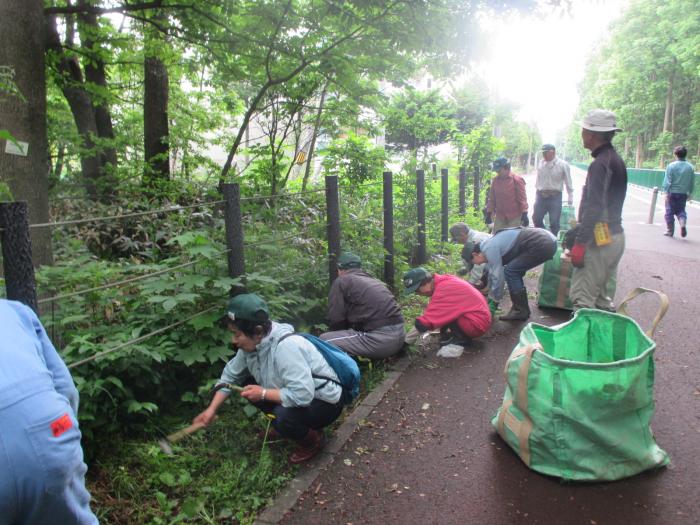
(287, 366)
(358, 300)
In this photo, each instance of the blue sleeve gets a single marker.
(667, 179)
(297, 383)
(496, 276)
(62, 380)
(235, 372)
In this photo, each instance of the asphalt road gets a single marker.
(428, 453)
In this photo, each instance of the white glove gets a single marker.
(412, 336)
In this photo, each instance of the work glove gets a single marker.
(420, 326)
(411, 336)
(524, 220)
(578, 252)
(493, 306)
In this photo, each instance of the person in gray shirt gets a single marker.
(364, 318)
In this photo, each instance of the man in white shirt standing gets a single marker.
(552, 174)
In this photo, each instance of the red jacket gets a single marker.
(507, 196)
(456, 300)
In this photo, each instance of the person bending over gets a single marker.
(508, 255)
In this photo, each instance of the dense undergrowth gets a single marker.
(142, 391)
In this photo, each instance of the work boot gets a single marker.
(308, 447)
(684, 231)
(520, 310)
(669, 230)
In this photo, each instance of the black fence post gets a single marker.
(20, 284)
(333, 218)
(388, 230)
(445, 203)
(234, 229)
(421, 252)
(462, 191)
(433, 168)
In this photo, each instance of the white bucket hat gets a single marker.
(600, 120)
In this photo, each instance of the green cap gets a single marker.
(413, 278)
(349, 260)
(548, 147)
(249, 307)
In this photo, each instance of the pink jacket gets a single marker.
(455, 299)
(507, 198)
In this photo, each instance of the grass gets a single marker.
(222, 474)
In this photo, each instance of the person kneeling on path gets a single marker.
(364, 317)
(42, 472)
(457, 308)
(508, 255)
(285, 377)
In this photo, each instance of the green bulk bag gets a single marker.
(555, 282)
(579, 397)
(566, 220)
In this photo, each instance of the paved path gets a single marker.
(428, 454)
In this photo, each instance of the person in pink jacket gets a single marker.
(458, 309)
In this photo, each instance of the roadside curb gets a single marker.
(309, 472)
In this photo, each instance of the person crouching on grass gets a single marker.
(287, 379)
(456, 308)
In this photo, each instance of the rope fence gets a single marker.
(141, 338)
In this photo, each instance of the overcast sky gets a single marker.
(538, 60)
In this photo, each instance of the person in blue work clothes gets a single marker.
(508, 255)
(42, 473)
(679, 182)
(285, 377)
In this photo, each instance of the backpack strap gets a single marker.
(326, 378)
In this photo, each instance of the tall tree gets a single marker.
(23, 114)
(156, 133)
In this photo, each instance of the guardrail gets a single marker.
(648, 178)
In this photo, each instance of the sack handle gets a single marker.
(663, 298)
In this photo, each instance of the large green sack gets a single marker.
(579, 398)
(554, 284)
(566, 220)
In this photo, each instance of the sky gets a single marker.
(537, 60)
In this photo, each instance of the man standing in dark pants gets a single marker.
(552, 175)
(508, 255)
(678, 185)
(600, 241)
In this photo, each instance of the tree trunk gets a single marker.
(639, 155)
(22, 30)
(95, 74)
(70, 79)
(314, 135)
(155, 122)
(628, 146)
